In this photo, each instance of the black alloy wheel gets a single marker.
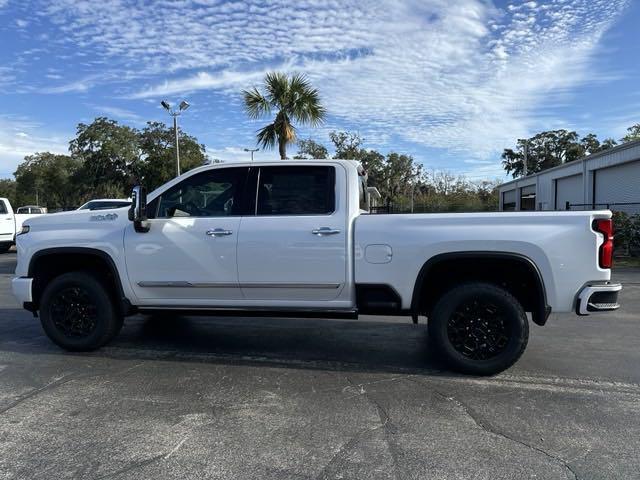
(78, 313)
(74, 313)
(479, 328)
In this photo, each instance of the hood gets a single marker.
(79, 218)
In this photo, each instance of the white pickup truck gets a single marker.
(295, 239)
(11, 222)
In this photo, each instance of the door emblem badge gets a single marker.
(109, 217)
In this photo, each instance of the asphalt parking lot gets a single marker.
(233, 398)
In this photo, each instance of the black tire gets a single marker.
(77, 312)
(479, 328)
(5, 247)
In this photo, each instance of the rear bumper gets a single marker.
(598, 298)
(21, 288)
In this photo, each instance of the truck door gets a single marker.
(7, 223)
(189, 252)
(295, 246)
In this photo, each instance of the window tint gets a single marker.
(3, 207)
(214, 193)
(296, 190)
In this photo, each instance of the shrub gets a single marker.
(627, 233)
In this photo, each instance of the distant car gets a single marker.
(31, 210)
(105, 204)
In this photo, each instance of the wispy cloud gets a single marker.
(81, 85)
(20, 137)
(201, 81)
(118, 113)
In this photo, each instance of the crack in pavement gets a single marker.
(387, 427)
(383, 416)
(489, 428)
(58, 382)
(36, 391)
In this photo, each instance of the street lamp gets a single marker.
(175, 114)
(251, 150)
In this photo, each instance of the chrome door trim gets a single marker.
(291, 285)
(184, 284)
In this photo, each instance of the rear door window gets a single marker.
(296, 190)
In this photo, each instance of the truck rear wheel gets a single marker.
(77, 312)
(479, 328)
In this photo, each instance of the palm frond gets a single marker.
(304, 105)
(267, 136)
(277, 86)
(294, 99)
(255, 104)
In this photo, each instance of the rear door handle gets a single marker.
(219, 232)
(322, 231)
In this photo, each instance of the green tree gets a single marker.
(8, 190)
(590, 143)
(633, 133)
(49, 180)
(293, 99)
(608, 143)
(111, 157)
(157, 146)
(400, 175)
(347, 145)
(549, 149)
(393, 175)
(311, 149)
(544, 150)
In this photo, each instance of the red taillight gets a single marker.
(605, 227)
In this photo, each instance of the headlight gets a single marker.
(25, 229)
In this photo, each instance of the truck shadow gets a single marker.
(389, 345)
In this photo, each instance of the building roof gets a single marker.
(594, 156)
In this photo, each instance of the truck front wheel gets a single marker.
(77, 312)
(479, 328)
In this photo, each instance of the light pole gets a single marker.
(251, 150)
(175, 114)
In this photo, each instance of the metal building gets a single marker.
(609, 179)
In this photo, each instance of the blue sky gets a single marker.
(451, 82)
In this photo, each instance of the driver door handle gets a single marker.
(325, 231)
(219, 232)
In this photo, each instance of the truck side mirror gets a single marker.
(138, 209)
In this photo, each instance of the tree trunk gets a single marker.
(282, 147)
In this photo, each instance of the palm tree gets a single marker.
(293, 98)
